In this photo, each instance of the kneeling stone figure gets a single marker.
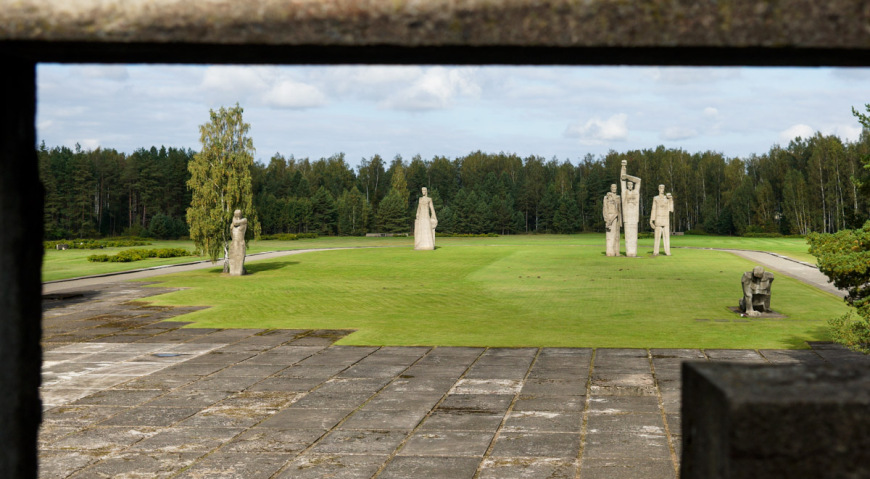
(756, 291)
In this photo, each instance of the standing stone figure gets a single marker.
(630, 209)
(756, 291)
(612, 220)
(424, 225)
(660, 220)
(237, 247)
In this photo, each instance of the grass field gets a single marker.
(73, 263)
(509, 291)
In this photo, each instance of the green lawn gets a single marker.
(73, 263)
(508, 291)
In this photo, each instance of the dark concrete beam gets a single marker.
(643, 32)
(761, 421)
(20, 263)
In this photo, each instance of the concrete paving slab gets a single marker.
(526, 467)
(447, 443)
(349, 441)
(611, 469)
(138, 465)
(544, 421)
(334, 466)
(400, 420)
(441, 420)
(431, 467)
(537, 444)
(187, 439)
(549, 403)
(233, 465)
(271, 439)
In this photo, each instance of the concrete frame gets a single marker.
(604, 32)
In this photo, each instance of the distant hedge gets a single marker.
(288, 236)
(96, 243)
(130, 255)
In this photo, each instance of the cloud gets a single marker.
(711, 112)
(845, 132)
(435, 89)
(794, 131)
(234, 84)
(678, 133)
(293, 94)
(89, 143)
(597, 131)
(689, 75)
(104, 72)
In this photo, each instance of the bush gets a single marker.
(288, 236)
(96, 244)
(852, 332)
(844, 257)
(131, 255)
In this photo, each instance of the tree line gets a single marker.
(817, 184)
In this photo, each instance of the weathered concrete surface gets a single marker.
(796, 420)
(128, 394)
(806, 23)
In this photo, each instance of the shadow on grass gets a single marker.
(820, 333)
(260, 267)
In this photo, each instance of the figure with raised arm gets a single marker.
(612, 220)
(660, 220)
(424, 225)
(630, 209)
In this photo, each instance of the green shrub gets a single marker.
(131, 255)
(96, 243)
(844, 257)
(852, 332)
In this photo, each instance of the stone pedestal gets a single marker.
(759, 421)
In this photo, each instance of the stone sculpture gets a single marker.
(756, 291)
(612, 220)
(236, 254)
(660, 220)
(630, 209)
(424, 225)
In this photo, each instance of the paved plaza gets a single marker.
(128, 394)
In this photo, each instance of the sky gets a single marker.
(563, 112)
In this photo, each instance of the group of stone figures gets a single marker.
(618, 212)
(625, 212)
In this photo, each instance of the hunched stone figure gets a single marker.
(756, 291)
(612, 220)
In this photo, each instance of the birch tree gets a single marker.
(220, 182)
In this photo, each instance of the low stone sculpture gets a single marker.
(612, 220)
(756, 291)
(236, 254)
(424, 225)
(660, 220)
(630, 209)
